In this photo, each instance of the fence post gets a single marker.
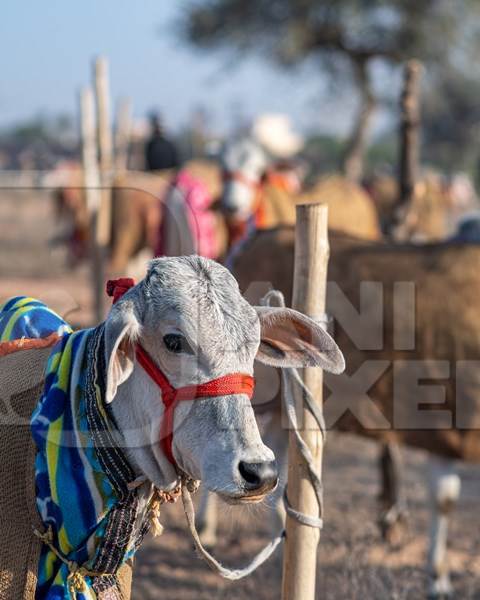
(105, 145)
(91, 183)
(409, 130)
(122, 134)
(309, 293)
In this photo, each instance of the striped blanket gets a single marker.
(27, 318)
(93, 522)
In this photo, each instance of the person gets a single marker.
(160, 152)
(189, 224)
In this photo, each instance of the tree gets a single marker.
(43, 138)
(451, 122)
(346, 36)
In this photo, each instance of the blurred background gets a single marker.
(210, 67)
(116, 116)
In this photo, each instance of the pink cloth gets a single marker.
(201, 220)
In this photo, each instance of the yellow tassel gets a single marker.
(161, 496)
(76, 577)
(76, 582)
(156, 526)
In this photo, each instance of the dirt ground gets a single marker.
(353, 563)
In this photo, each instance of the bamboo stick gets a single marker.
(91, 182)
(105, 145)
(309, 293)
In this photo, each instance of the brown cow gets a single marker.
(137, 202)
(350, 208)
(418, 321)
(136, 213)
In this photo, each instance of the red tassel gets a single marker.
(116, 288)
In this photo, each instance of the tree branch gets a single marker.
(354, 154)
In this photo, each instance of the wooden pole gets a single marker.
(409, 132)
(309, 293)
(91, 177)
(122, 134)
(105, 145)
(91, 181)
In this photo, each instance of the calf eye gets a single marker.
(177, 343)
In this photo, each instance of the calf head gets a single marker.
(190, 317)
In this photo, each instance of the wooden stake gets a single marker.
(122, 134)
(105, 144)
(409, 132)
(91, 181)
(309, 292)
(91, 177)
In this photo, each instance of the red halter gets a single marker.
(233, 383)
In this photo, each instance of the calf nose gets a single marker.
(262, 475)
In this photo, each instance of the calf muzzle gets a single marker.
(258, 478)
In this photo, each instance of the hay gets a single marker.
(350, 208)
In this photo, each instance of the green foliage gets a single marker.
(451, 122)
(345, 37)
(323, 154)
(289, 31)
(382, 152)
(56, 129)
(42, 140)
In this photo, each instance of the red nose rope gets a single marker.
(233, 383)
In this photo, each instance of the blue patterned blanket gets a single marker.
(82, 477)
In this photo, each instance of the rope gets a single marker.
(187, 486)
(225, 572)
(289, 376)
(77, 573)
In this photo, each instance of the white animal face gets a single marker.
(245, 163)
(191, 318)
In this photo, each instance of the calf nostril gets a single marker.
(258, 475)
(250, 473)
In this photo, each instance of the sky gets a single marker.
(47, 48)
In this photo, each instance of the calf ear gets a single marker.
(290, 339)
(121, 332)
